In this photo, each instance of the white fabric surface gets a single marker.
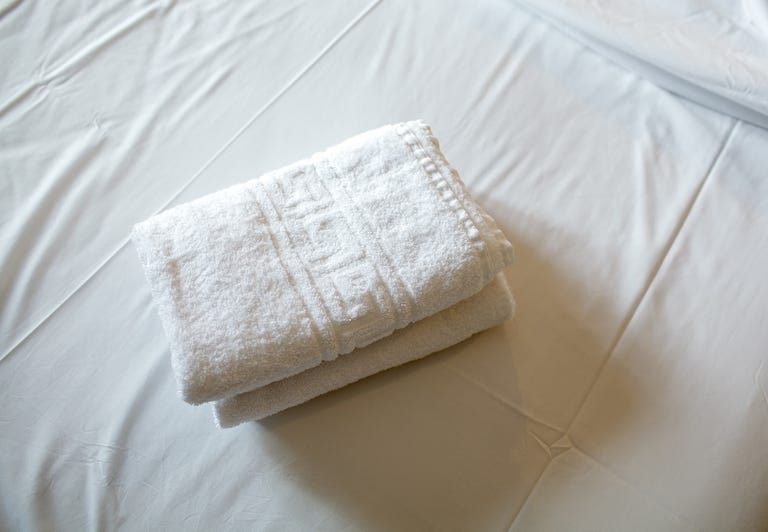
(268, 278)
(629, 393)
(712, 51)
(491, 306)
(107, 105)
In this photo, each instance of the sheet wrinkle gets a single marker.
(665, 253)
(572, 446)
(728, 80)
(500, 399)
(633, 487)
(80, 56)
(530, 492)
(43, 205)
(328, 47)
(9, 7)
(657, 267)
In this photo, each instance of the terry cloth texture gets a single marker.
(266, 279)
(489, 307)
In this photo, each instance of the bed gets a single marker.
(630, 392)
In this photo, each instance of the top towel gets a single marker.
(268, 278)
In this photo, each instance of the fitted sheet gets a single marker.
(629, 393)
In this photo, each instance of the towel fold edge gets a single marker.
(492, 306)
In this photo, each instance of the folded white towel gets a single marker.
(491, 306)
(271, 277)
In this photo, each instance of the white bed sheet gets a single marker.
(628, 394)
(105, 107)
(712, 51)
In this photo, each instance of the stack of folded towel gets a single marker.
(361, 258)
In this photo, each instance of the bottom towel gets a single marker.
(489, 307)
